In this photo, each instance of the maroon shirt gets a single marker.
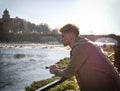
(92, 69)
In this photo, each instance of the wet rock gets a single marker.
(19, 56)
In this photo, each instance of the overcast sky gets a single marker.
(92, 16)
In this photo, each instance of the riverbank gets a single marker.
(65, 86)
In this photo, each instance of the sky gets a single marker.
(91, 16)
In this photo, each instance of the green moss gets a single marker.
(37, 84)
(63, 62)
(68, 85)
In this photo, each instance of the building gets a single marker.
(11, 25)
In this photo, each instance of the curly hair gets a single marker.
(70, 28)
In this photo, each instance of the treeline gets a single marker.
(20, 30)
(31, 38)
(21, 26)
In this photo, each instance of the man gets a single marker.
(91, 67)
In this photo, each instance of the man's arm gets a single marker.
(77, 59)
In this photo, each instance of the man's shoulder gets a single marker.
(79, 44)
(81, 41)
(80, 47)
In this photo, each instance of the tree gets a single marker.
(43, 29)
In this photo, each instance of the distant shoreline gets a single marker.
(32, 45)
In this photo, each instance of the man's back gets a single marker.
(96, 72)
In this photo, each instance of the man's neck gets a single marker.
(73, 40)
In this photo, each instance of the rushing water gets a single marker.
(19, 67)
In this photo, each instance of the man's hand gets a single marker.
(53, 69)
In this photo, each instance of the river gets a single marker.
(20, 64)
